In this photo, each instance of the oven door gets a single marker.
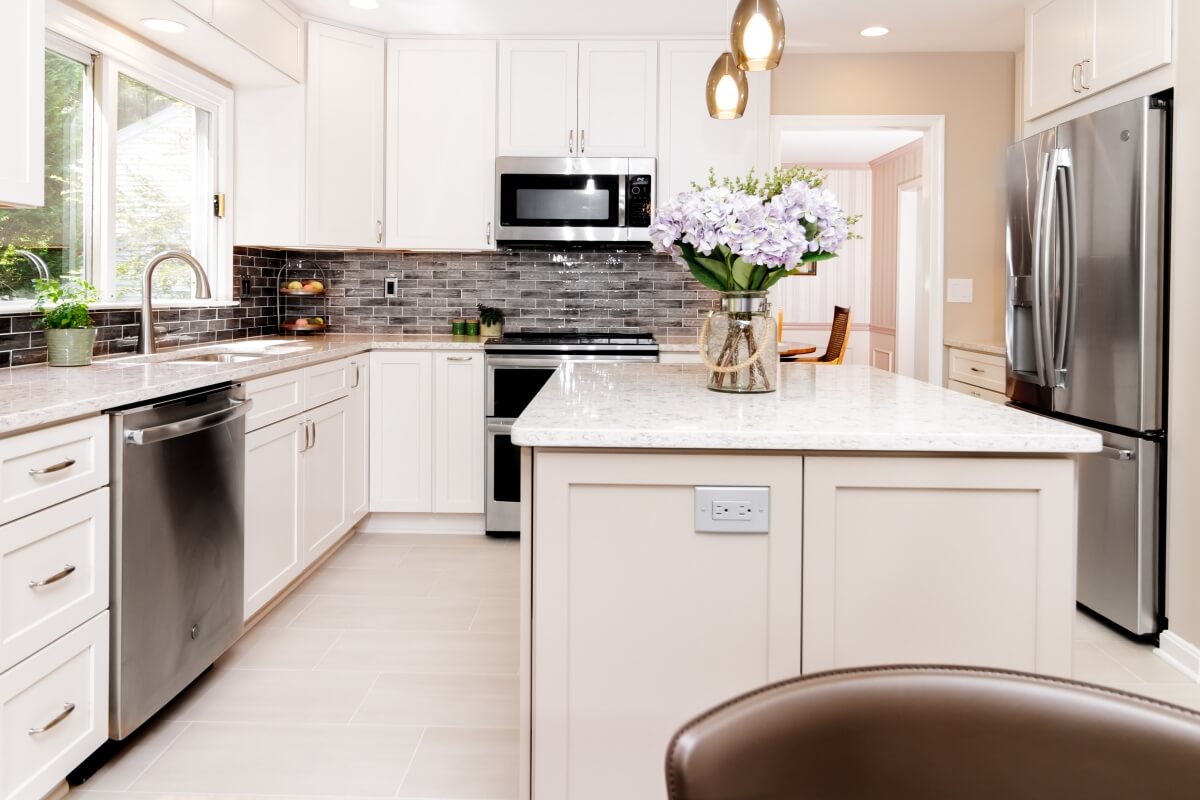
(503, 507)
(549, 199)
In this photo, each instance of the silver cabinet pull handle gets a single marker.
(356, 378)
(314, 433)
(66, 712)
(304, 425)
(66, 463)
(582, 140)
(1083, 73)
(1076, 79)
(378, 231)
(977, 369)
(1117, 454)
(460, 358)
(55, 578)
(489, 233)
(571, 141)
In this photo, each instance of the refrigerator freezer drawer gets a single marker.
(1119, 525)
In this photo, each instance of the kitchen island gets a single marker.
(900, 522)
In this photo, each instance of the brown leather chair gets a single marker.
(936, 733)
(839, 340)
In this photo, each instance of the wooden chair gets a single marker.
(839, 340)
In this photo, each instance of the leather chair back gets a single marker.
(937, 733)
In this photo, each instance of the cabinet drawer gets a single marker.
(324, 383)
(975, 391)
(53, 711)
(275, 397)
(45, 467)
(53, 574)
(977, 369)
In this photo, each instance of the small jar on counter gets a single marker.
(472, 327)
(458, 327)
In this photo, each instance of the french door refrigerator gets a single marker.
(1088, 210)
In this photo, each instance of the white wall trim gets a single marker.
(442, 524)
(1180, 654)
(934, 177)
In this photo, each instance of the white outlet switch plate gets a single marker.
(960, 290)
(733, 509)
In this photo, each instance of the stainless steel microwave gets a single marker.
(574, 199)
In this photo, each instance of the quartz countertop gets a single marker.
(38, 395)
(976, 347)
(817, 408)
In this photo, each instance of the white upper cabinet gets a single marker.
(22, 96)
(441, 148)
(1075, 48)
(571, 98)
(344, 158)
(618, 98)
(267, 28)
(538, 98)
(689, 140)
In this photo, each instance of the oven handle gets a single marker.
(500, 426)
(547, 362)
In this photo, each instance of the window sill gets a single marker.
(14, 307)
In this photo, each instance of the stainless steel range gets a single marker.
(518, 366)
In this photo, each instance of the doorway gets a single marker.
(889, 169)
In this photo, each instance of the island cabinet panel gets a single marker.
(939, 560)
(629, 601)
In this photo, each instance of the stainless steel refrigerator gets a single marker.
(1088, 210)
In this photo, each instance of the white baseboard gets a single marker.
(1180, 654)
(443, 524)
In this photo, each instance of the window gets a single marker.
(135, 151)
(51, 241)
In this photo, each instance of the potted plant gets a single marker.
(70, 332)
(491, 322)
(741, 237)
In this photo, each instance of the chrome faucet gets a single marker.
(38, 264)
(146, 342)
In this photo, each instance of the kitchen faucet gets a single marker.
(146, 343)
(38, 264)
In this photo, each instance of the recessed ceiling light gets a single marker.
(874, 31)
(164, 25)
(366, 5)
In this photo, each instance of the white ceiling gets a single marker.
(841, 147)
(819, 25)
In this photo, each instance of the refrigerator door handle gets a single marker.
(1040, 237)
(1068, 267)
(1118, 454)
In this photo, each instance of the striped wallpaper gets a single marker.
(888, 173)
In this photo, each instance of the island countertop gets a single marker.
(817, 408)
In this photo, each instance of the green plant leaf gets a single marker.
(758, 276)
(741, 274)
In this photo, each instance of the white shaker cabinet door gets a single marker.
(618, 99)
(401, 432)
(539, 95)
(23, 97)
(1131, 37)
(689, 140)
(441, 175)
(274, 509)
(358, 439)
(458, 438)
(1058, 37)
(324, 484)
(344, 156)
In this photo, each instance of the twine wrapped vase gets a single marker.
(740, 344)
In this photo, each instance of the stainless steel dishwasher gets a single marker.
(178, 469)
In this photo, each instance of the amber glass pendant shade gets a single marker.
(758, 35)
(727, 90)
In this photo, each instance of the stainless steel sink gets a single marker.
(217, 358)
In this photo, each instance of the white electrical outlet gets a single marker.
(732, 509)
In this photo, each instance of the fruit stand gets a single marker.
(302, 305)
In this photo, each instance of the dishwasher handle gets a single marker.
(160, 433)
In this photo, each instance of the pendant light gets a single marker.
(758, 35)
(727, 90)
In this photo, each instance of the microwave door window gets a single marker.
(562, 204)
(591, 201)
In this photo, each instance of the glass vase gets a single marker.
(740, 344)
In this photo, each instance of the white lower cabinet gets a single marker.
(358, 448)
(274, 465)
(427, 424)
(53, 711)
(324, 479)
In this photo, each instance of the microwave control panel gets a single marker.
(638, 208)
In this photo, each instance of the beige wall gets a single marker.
(974, 91)
(1183, 501)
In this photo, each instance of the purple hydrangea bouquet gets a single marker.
(740, 237)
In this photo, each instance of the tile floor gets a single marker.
(392, 672)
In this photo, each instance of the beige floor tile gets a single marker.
(1092, 665)
(497, 615)
(1088, 629)
(463, 763)
(282, 615)
(283, 759)
(384, 613)
(476, 701)
(432, 652)
(370, 556)
(1141, 661)
(408, 582)
(248, 695)
(279, 648)
(410, 539)
(480, 580)
(140, 751)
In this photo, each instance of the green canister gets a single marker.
(458, 327)
(472, 327)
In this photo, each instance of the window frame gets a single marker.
(75, 33)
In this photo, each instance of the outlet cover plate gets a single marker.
(960, 290)
(721, 509)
